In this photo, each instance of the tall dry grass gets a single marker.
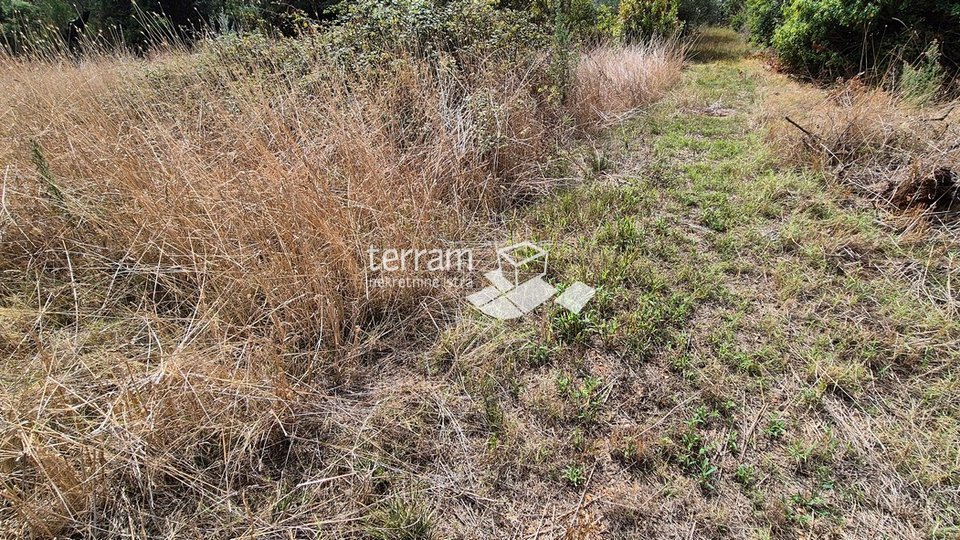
(181, 265)
(251, 193)
(902, 156)
(612, 82)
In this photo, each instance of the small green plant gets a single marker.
(621, 234)
(733, 441)
(43, 169)
(746, 474)
(597, 161)
(803, 509)
(703, 416)
(706, 475)
(399, 520)
(717, 213)
(683, 364)
(776, 427)
(692, 453)
(536, 354)
(812, 396)
(570, 327)
(586, 396)
(633, 451)
(574, 475)
(800, 453)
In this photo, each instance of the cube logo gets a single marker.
(517, 286)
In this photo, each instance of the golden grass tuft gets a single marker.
(902, 156)
(613, 81)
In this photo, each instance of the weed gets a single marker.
(702, 417)
(693, 454)
(585, 397)
(574, 328)
(803, 509)
(776, 427)
(399, 520)
(746, 474)
(574, 475)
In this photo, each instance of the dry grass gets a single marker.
(607, 87)
(904, 157)
(181, 276)
(250, 198)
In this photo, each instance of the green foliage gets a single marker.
(581, 17)
(776, 427)
(561, 62)
(694, 454)
(585, 396)
(25, 25)
(370, 29)
(762, 19)
(43, 169)
(569, 327)
(399, 520)
(574, 475)
(815, 33)
(841, 37)
(746, 475)
(694, 13)
(921, 83)
(643, 19)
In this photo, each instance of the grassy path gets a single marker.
(763, 358)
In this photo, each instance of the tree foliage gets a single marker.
(639, 19)
(826, 38)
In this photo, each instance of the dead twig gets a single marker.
(813, 136)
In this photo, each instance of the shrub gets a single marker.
(368, 29)
(815, 33)
(867, 138)
(643, 19)
(921, 83)
(27, 25)
(762, 19)
(842, 37)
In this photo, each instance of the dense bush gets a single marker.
(430, 24)
(22, 22)
(641, 19)
(461, 26)
(843, 37)
(762, 19)
(46, 23)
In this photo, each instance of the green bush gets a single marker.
(921, 83)
(843, 37)
(762, 19)
(643, 19)
(369, 29)
(815, 34)
(26, 25)
(584, 19)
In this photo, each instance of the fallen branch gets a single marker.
(814, 136)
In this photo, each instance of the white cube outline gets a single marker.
(503, 255)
